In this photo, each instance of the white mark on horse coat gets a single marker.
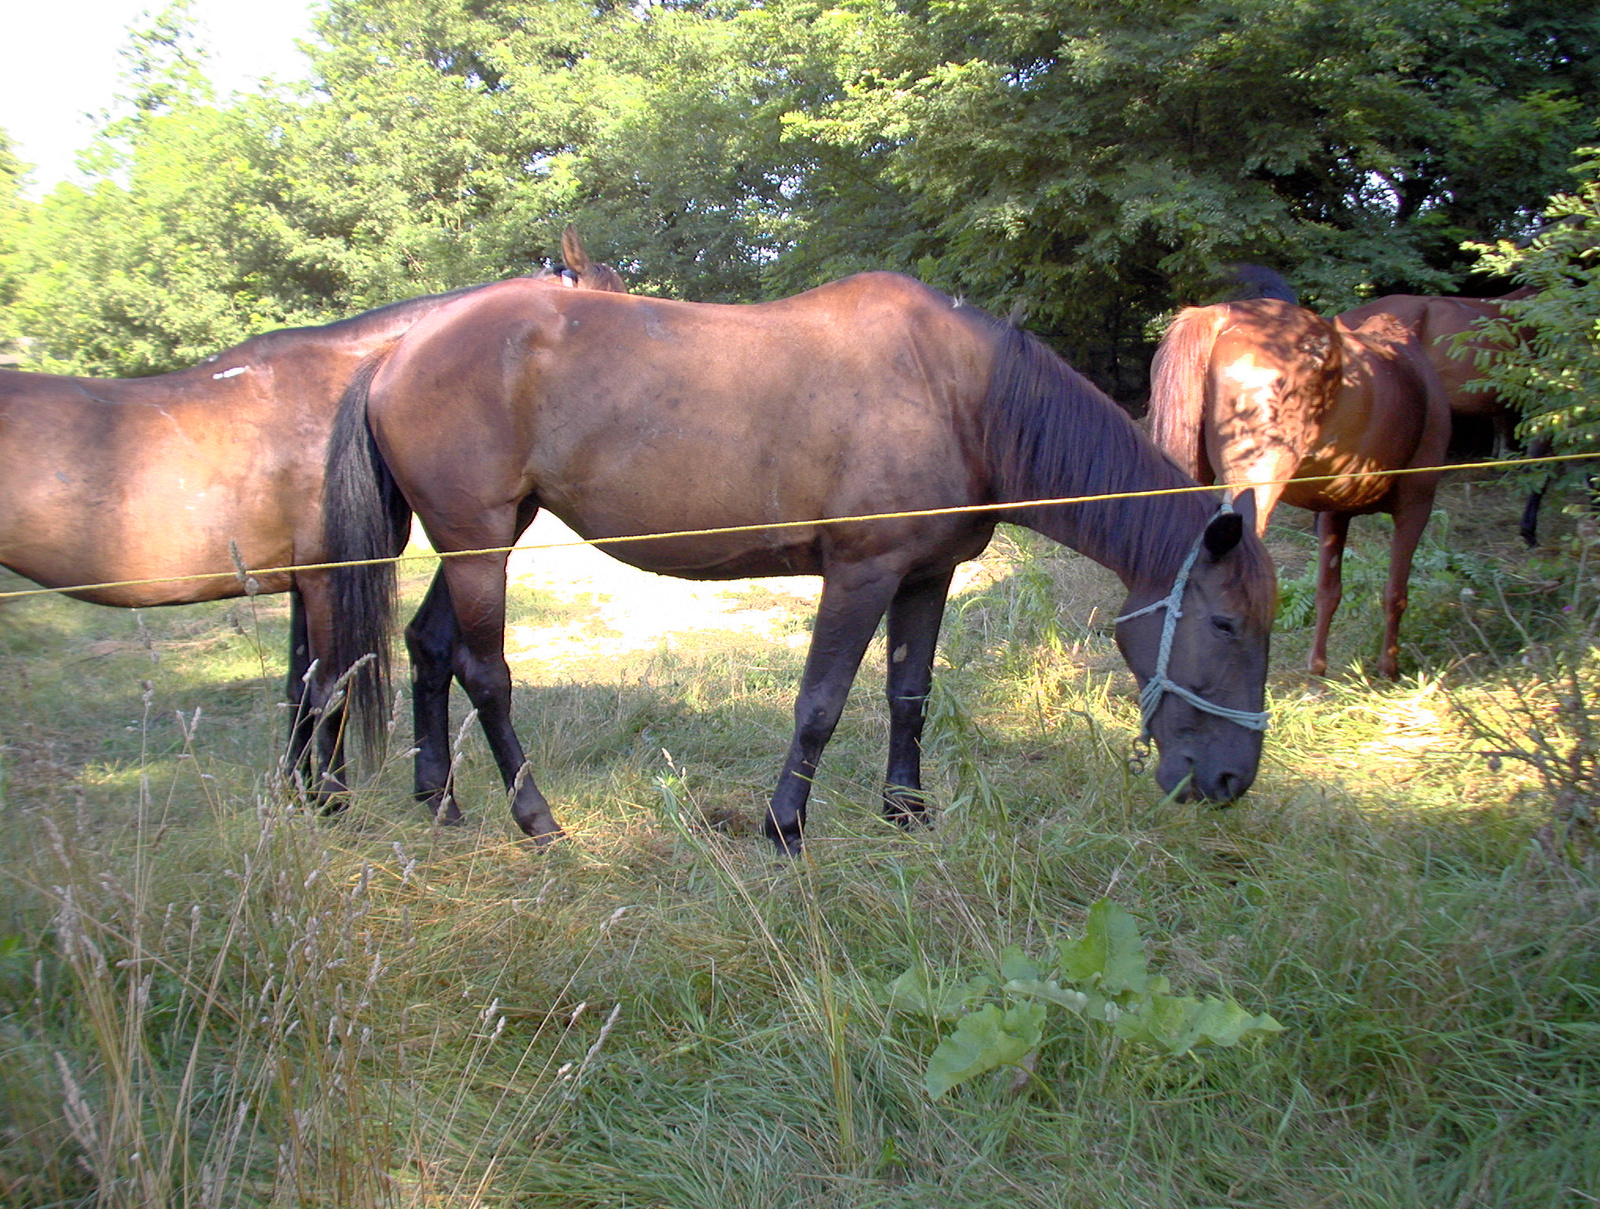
(231, 373)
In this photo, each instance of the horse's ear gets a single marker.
(1244, 503)
(573, 251)
(1223, 533)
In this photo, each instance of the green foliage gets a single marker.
(1099, 163)
(1100, 977)
(1545, 716)
(1551, 371)
(13, 214)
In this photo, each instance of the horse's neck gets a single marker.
(1053, 435)
(1142, 538)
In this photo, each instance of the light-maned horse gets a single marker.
(128, 489)
(1266, 392)
(626, 415)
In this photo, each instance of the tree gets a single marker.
(1552, 371)
(1101, 161)
(14, 209)
(1097, 162)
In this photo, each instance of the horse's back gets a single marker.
(1389, 412)
(1442, 326)
(626, 414)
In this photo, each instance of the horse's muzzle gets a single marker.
(1219, 784)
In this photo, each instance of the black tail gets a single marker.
(364, 517)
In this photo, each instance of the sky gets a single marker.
(62, 64)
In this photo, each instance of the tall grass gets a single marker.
(212, 996)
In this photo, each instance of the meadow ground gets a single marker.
(210, 996)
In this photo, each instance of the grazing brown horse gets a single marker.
(626, 415)
(162, 479)
(1269, 393)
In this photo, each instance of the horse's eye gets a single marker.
(1225, 625)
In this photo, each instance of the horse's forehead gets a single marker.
(1241, 582)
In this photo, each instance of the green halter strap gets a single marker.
(1159, 683)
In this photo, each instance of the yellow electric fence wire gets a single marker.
(766, 526)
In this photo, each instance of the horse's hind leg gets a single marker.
(1413, 507)
(847, 616)
(1332, 530)
(301, 724)
(477, 587)
(431, 640)
(914, 618)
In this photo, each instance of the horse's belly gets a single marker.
(1338, 488)
(156, 550)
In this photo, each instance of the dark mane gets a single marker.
(1051, 433)
(1258, 281)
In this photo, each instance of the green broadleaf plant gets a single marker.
(1101, 977)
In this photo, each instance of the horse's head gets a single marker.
(1198, 646)
(579, 271)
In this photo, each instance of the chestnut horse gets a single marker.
(1442, 326)
(873, 395)
(1268, 393)
(175, 480)
(1450, 332)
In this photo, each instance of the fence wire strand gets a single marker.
(242, 573)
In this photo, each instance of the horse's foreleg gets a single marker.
(317, 729)
(431, 642)
(1332, 530)
(301, 724)
(1410, 519)
(477, 587)
(914, 618)
(847, 616)
(1538, 447)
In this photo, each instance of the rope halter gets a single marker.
(1160, 683)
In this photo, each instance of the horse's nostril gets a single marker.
(1225, 787)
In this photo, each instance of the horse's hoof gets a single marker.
(788, 844)
(541, 828)
(446, 813)
(906, 808)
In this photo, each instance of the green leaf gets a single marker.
(1178, 1024)
(1110, 954)
(912, 992)
(909, 992)
(982, 1041)
(1013, 964)
(1075, 1002)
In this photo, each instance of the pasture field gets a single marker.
(210, 996)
